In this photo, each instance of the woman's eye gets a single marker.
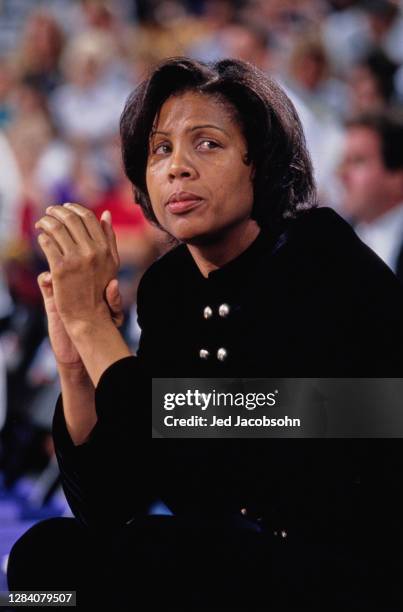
(161, 149)
(207, 145)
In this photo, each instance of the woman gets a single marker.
(262, 283)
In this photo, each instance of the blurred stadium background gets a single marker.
(66, 68)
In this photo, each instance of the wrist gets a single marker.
(99, 344)
(74, 374)
(79, 329)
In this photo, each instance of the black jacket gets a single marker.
(311, 302)
(314, 301)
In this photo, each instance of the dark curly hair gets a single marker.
(283, 180)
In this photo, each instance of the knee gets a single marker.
(36, 552)
(44, 534)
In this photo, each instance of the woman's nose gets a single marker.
(181, 167)
(179, 172)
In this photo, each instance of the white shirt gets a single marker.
(10, 193)
(89, 112)
(384, 235)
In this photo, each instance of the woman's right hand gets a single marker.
(67, 356)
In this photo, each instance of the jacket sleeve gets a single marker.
(107, 480)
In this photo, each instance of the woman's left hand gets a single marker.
(83, 259)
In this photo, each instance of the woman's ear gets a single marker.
(247, 160)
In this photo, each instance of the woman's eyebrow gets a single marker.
(208, 125)
(192, 129)
(158, 132)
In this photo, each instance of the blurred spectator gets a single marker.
(250, 41)
(216, 16)
(10, 194)
(84, 181)
(29, 137)
(310, 76)
(372, 83)
(315, 96)
(89, 104)
(284, 20)
(355, 27)
(346, 34)
(102, 14)
(39, 51)
(166, 30)
(385, 26)
(372, 175)
(9, 200)
(7, 84)
(28, 99)
(29, 134)
(112, 21)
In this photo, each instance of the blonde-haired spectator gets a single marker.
(89, 104)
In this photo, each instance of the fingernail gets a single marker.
(106, 215)
(49, 208)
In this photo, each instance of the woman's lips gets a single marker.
(183, 206)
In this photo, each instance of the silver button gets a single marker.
(204, 354)
(207, 312)
(223, 310)
(222, 354)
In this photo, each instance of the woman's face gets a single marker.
(197, 178)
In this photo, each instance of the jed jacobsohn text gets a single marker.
(199, 421)
(194, 398)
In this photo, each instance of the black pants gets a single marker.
(166, 561)
(169, 562)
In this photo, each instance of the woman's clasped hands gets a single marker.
(80, 291)
(83, 259)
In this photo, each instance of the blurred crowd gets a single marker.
(66, 69)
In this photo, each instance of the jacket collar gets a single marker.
(238, 267)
